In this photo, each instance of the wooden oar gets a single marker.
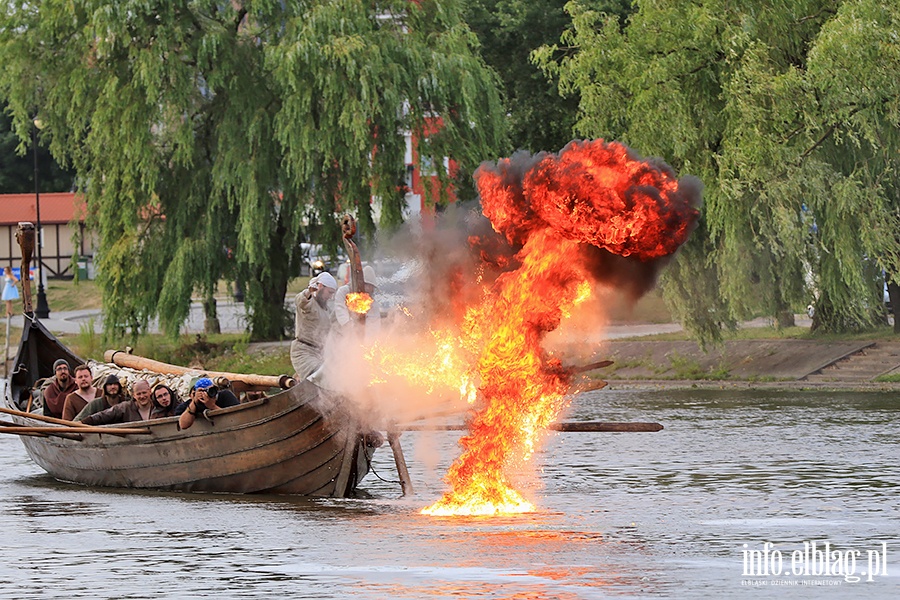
(76, 430)
(37, 432)
(588, 386)
(592, 366)
(75, 426)
(38, 417)
(580, 426)
(10, 424)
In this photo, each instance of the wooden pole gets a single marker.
(6, 352)
(37, 417)
(393, 437)
(123, 359)
(577, 426)
(76, 430)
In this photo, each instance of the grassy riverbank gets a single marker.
(672, 357)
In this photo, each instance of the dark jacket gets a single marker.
(123, 412)
(224, 399)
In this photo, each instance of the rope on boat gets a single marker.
(371, 466)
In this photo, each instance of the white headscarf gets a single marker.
(326, 279)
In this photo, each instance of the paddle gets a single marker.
(579, 426)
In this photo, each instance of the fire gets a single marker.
(592, 193)
(359, 302)
(436, 365)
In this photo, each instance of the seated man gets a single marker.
(204, 396)
(165, 400)
(84, 393)
(138, 409)
(60, 386)
(112, 395)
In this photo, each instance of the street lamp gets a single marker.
(42, 311)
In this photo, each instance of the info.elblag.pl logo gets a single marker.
(816, 559)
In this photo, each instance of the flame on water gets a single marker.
(359, 302)
(522, 389)
(591, 193)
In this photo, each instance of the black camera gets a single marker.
(211, 391)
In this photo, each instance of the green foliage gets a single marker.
(208, 135)
(509, 31)
(685, 367)
(87, 344)
(17, 164)
(790, 115)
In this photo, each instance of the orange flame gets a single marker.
(359, 302)
(592, 193)
(442, 364)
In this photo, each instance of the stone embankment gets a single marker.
(753, 363)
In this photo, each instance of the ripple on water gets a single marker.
(651, 514)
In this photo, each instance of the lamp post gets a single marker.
(42, 310)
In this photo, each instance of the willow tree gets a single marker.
(788, 113)
(204, 134)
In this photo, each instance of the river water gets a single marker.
(655, 515)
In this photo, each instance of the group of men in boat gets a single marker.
(321, 309)
(77, 399)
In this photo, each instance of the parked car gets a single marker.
(316, 260)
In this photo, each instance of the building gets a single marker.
(60, 212)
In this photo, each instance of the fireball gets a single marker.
(593, 193)
(359, 302)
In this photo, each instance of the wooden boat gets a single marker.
(297, 441)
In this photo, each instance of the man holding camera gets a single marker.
(204, 396)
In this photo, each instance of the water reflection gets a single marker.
(647, 514)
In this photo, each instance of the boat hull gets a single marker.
(299, 441)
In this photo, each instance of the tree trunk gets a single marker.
(267, 287)
(894, 295)
(268, 317)
(785, 319)
(211, 320)
(784, 316)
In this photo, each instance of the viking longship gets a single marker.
(297, 440)
(289, 438)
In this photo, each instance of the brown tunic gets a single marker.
(55, 397)
(74, 403)
(123, 412)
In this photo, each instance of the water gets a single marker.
(658, 515)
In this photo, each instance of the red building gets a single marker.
(61, 213)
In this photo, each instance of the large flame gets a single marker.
(552, 215)
(591, 193)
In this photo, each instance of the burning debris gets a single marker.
(359, 302)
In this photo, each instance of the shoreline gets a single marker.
(731, 384)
